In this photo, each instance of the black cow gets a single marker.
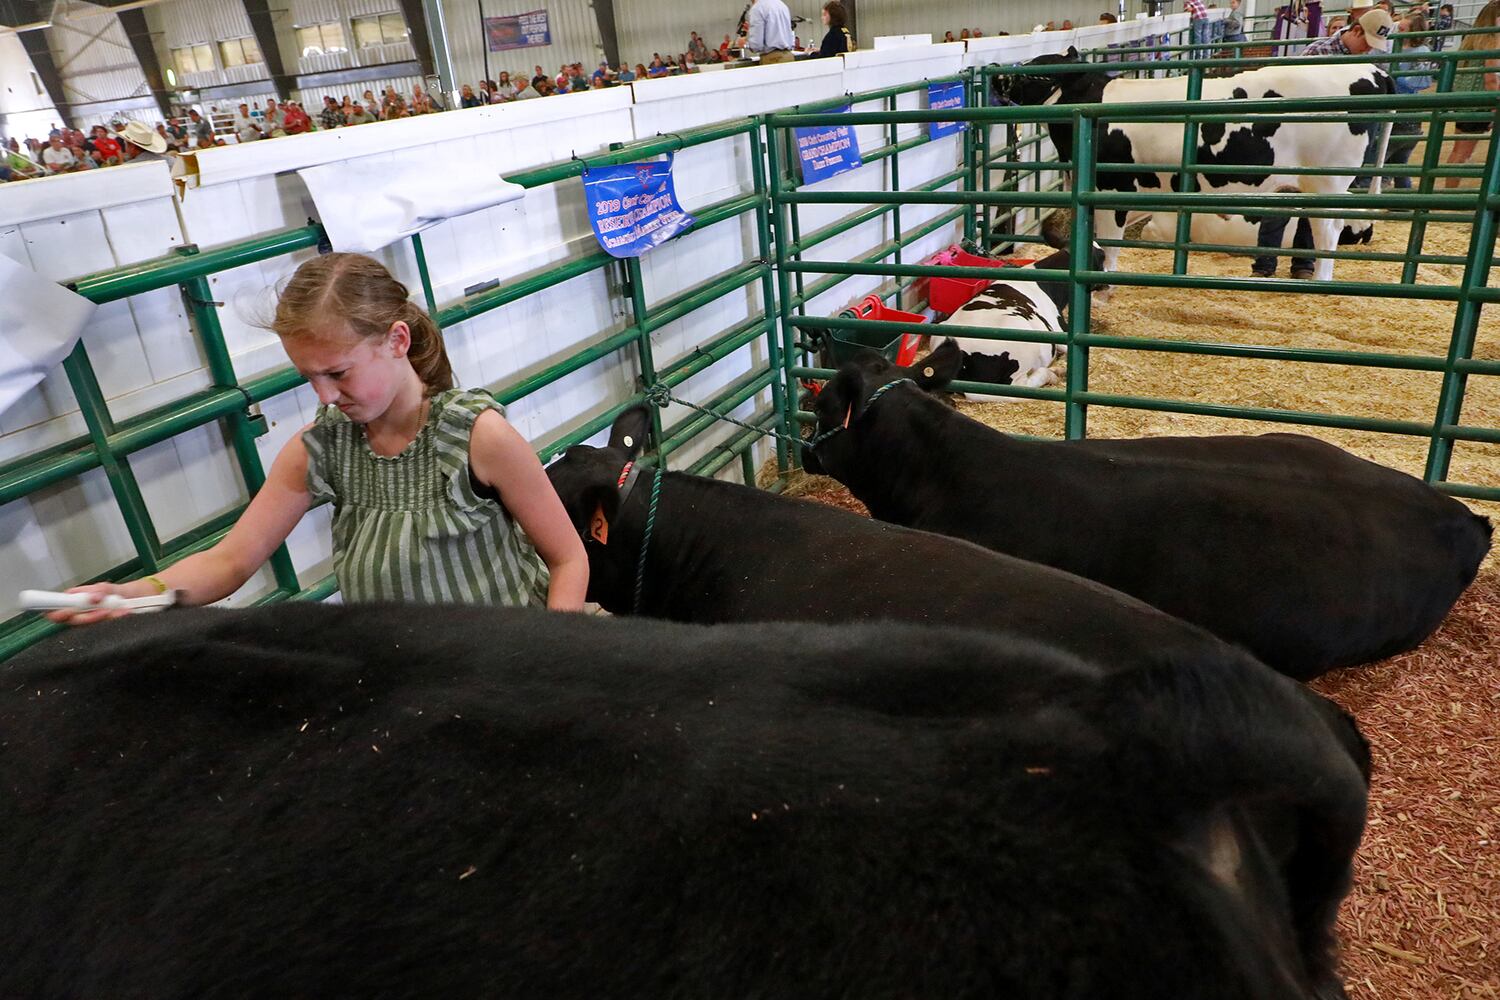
(472, 802)
(720, 552)
(1309, 557)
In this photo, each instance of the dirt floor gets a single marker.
(1423, 920)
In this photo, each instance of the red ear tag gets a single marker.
(846, 416)
(598, 526)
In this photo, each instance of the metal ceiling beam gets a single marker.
(134, 23)
(420, 37)
(259, 13)
(46, 70)
(609, 36)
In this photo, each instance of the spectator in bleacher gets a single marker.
(245, 128)
(424, 102)
(599, 75)
(626, 74)
(467, 98)
(360, 115)
(838, 40)
(166, 137)
(527, 92)
(297, 119)
(657, 67)
(504, 90)
(106, 146)
(332, 116)
(697, 49)
(202, 129)
(964, 35)
(1108, 18)
(273, 123)
(724, 48)
(976, 33)
(1444, 23)
(392, 105)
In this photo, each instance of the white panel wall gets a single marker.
(575, 38)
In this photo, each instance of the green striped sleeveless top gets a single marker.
(412, 527)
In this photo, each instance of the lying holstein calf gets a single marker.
(1307, 556)
(389, 802)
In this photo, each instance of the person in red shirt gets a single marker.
(108, 148)
(296, 119)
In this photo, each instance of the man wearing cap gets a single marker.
(1372, 32)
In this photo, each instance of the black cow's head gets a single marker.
(1032, 89)
(587, 480)
(845, 398)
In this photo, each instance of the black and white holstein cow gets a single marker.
(400, 802)
(1260, 147)
(1302, 553)
(1011, 302)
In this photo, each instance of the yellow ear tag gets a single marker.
(599, 527)
(927, 372)
(847, 412)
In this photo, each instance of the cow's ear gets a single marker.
(938, 368)
(1073, 54)
(631, 430)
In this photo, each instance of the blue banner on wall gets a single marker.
(633, 207)
(517, 31)
(941, 97)
(828, 150)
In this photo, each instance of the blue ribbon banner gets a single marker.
(827, 150)
(633, 207)
(941, 97)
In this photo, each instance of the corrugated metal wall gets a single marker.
(207, 22)
(93, 56)
(575, 36)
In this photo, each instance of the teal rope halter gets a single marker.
(818, 439)
(640, 563)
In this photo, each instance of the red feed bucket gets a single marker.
(948, 295)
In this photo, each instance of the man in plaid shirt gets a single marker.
(332, 116)
(1198, 26)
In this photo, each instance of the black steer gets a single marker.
(317, 801)
(720, 552)
(1309, 557)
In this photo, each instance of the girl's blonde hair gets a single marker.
(359, 291)
(1484, 40)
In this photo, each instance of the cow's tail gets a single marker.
(1388, 82)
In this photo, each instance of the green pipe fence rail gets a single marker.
(1476, 207)
(788, 279)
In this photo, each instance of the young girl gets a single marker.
(431, 487)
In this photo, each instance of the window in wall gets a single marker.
(321, 39)
(239, 51)
(380, 29)
(193, 59)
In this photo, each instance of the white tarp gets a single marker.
(40, 321)
(372, 202)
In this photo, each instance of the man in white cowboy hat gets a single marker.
(140, 142)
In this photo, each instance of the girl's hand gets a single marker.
(98, 591)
